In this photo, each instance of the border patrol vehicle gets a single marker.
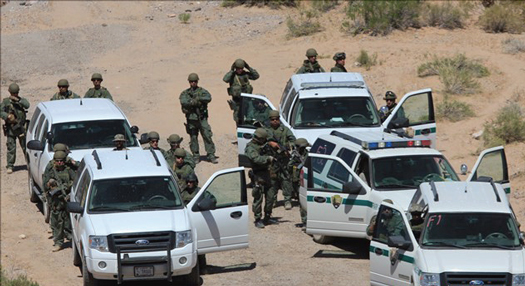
(130, 223)
(455, 233)
(82, 124)
(319, 103)
(346, 177)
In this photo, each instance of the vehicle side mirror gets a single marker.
(134, 129)
(74, 207)
(144, 138)
(399, 241)
(522, 238)
(398, 123)
(206, 204)
(35, 145)
(463, 169)
(352, 188)
(49, 135)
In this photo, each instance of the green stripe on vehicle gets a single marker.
(239, 134)
(349, 202)
(432, 130)
(386, 252)
(507, 190)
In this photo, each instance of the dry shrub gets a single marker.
(325, 5)
(513, 46)
(306, 25)
(274, 4)
(504, 18)
(508, 127)
(366, 60)
(184, 17)
(454, 110)
(20, 280)
(444, 15)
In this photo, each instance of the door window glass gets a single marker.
(333, 180)
(321, 147)
(492, 165)
(34, 120)
(254, 112)
(389, 222)
(227, 190)
(38, 128)
(417, 109)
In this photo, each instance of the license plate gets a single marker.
(142, 271)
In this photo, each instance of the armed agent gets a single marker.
(153, 140)
(260, 158)
(296, 164)
(181, 168)
(194, 102)
(174, 140)
(63, 91)
(386, 110)
(257, 112)
(310, 65)
(69, 162)
(13, 111)
(239, 76)
(340, 59)
(57, 186)
(98, 91)
(281, 139)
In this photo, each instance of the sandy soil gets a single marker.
(145, 56)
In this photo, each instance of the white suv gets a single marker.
(467, 235)
(319, 103)
(346, 177)
(130, 223)
(82, 124)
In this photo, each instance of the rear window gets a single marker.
(321, 147)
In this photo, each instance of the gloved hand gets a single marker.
(246, 65)
(14, 98)
(11, 118)
(270, 159)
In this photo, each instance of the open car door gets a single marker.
(252, 114)
(415, 110)
(492, 163)
(219, 212)
(392, 248)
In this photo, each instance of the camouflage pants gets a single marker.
(59, 221)
(193, 129)
(11, 146)
(302, 211)
(282, 181)
(259, 192)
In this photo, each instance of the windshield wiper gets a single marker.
(489, 245)
(441, 243)
(150, 206)
(396, 186)
(108, 208)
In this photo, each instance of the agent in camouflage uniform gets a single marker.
(13, 111)
(174, 140)
(260, 159)
(181, 168)
(63, 91)
(192, 188)
(194, 102)
(69, 162)
(98, 91)
(57, 186)
(339, 59)
(239, 76)
(153, 140)
(120, 142)
(281, 139)
(257, 111)
(391, 104)
(297, 160)
(310, 65)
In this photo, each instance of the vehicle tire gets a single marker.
(87, 277)
(322, 239)
(47, 211)
(77, 261)
(31, 183)
(194, 278)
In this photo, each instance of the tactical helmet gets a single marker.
(192, 178)
(96, 76)
(179, 152)
(119, 137)
(153, 135)
(174, 138)
(273, 113)
(416, 208)
(60, 147)
(311, 53)
(14, 88)
(193, 77)
(239, 63)
(261, 133)
(389, 95)
(301, 142)
(339, 56)
(63, 82)
(60, 155)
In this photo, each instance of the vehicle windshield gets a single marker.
(91, 134)
(410, 171)
(133, 194)
(335, 112)
(470, 230)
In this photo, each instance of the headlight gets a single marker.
(429, 279)
(518, 279)
(183, 238)
(99, 243)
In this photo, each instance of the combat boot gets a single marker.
(259, 224)
(287, 205)
(9, 170)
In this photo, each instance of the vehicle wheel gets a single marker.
(77, 261)
(47, 211)
(194, 278)
(322, 239)
(31, 183)
(87, 277)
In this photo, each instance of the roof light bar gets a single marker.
(369, 145)
(348, 84)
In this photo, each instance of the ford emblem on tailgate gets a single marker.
(146, 242)
(476, 282)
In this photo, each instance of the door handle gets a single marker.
(76, 217)
(34, 154)
(247, 136)
(425, 131)
(319, 199)
(236, 214)
(378, 251)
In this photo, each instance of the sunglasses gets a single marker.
(390, 100)
(178, 157)
(274, 119)
(62, 86)
(153, 140)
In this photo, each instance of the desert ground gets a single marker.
(145, 55)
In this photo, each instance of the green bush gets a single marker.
(306, 25)
(454, 110)
(504, 18)
(324, 5)
(184, 17)
(20, 280)
(274, 4)
(444, 15)
(365, 60)
(381, 17)
(513, 46)
(508, 127)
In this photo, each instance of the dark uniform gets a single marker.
(153, 138)
(339, 59)
(64, 93)
(238, 76)
(98, 91)
(181, 168)
(13, 111)
(297, 160)
(174, 140)
(310, 65)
